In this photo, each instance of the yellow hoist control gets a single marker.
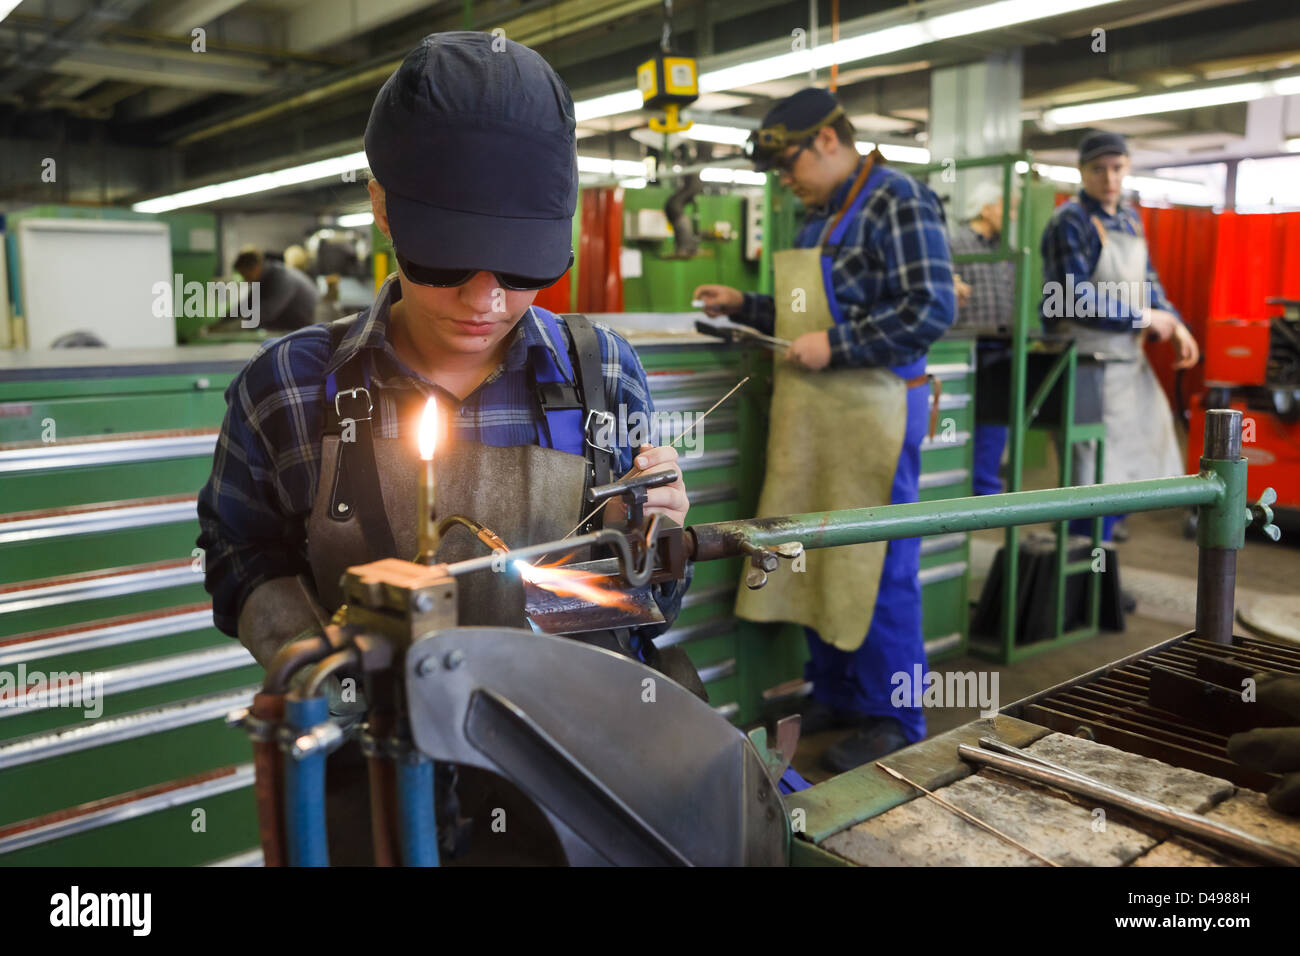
(668, 83)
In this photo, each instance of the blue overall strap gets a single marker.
(831, 247)
(562, 405)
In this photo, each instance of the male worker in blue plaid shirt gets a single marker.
(888, 287)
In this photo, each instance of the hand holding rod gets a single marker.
(632, 489)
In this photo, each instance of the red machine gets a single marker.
(1254, 366)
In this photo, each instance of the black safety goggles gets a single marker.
(449, 278)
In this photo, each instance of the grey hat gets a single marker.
(1101, 143)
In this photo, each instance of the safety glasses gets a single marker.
(784, 165)
(450, 278)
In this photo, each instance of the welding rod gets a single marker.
(487, 562)
(968, 817)
(1191, 824)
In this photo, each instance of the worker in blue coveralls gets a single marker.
(861, 298)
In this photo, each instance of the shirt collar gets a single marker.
(1094, 208)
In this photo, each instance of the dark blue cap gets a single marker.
(792, 121)
(472, 139)
(1101, 143)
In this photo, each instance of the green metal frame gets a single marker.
(1022, 416)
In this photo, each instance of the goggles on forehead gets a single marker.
(764, 144)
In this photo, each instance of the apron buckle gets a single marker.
(355, 393)
(602, 418)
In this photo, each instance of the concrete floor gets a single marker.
(1158, 566)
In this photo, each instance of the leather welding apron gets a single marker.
(834, 443)
(525, 493)
(1140, 438)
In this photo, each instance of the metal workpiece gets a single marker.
(1220, 526)
(628, 766)
(1027, 767)
(830, 529)
(1216, 582)
(1223, 433)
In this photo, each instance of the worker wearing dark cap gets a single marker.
(1099, 287)
(471, 143)
(863, 295)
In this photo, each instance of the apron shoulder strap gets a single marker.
(354, 486)
(591, 382)
(572, 398)
(1101, 230)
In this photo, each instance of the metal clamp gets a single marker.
(762, 561)
(298, 744)
(354, 393)
(1260, 515)
(258, 730)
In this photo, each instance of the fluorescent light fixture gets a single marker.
(292, 176)
(895, 153)
(1062, 174)
(1022, 167)
(1292, 145)
(1173, 190)
(633, 183)
(1085, 113)
(979, 19)
(904, 154)
(7, 7)
(611, 167)
(728, 174)
(356, 219)
(709, 133)
(611, 104)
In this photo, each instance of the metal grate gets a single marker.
(1177, 702)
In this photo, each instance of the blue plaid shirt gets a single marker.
(253, 510)
(892, 277)
(1071, 246)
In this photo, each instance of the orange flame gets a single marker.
(570, 582)
(428, 435)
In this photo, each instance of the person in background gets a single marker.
(862, 297)
(287, 297)
(1100, 288)
(986, 301)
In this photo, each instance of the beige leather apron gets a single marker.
(525, 493)
(1140, 438)
(834, 443)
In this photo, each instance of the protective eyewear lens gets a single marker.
(450, 278)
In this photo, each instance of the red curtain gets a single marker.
(600, 281)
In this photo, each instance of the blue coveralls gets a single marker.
(859, 681)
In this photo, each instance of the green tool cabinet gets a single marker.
(101, 456)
